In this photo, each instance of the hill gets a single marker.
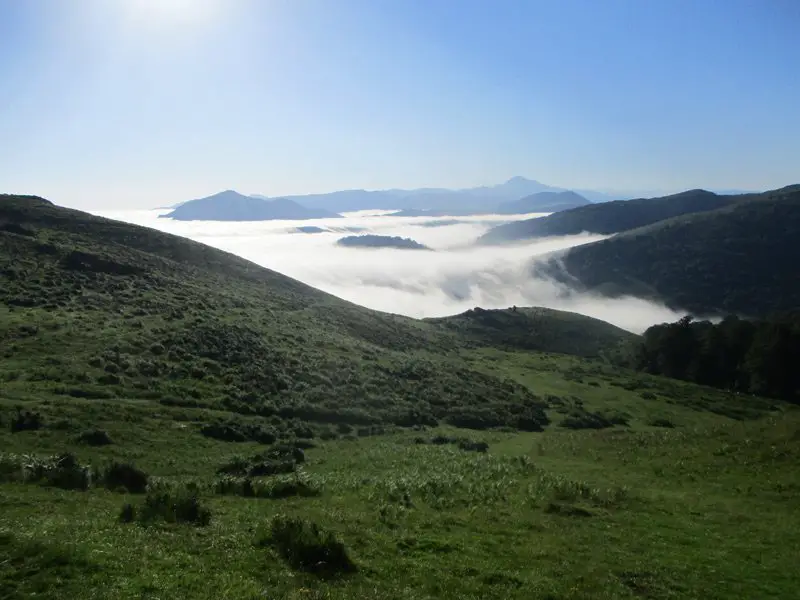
(539, 329)
(546, 202)
(167, 408)
(232, 206)
(608, 217)
(737, 259)
(380, 241)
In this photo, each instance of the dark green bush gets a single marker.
(174, 505)
(306, 546)
(472, 446)
(128, 513)
(125, 476)
(234, 431)
(662, 423)
(585, 420)
(271, 467)
(26, 421)
(62, 471)
(238, 465)
(95, 437)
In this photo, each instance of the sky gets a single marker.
(142, 103)
(454, 277)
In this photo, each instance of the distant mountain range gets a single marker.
(695, 251)
(233, 206)
(450, 202)
(518, 195)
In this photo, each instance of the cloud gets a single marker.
(457, 277)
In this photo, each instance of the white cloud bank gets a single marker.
(456, 277)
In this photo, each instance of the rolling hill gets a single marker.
(736, 259)
(167, 408)
(232, 206)
(608, 217)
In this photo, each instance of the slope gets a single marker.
(232, 206)
(739, 259)
(607, 218)
(134, 313)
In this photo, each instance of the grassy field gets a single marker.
(178, 423)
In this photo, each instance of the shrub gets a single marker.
(128, 513)
(304, 445)
(61, 471)
(95, 437)
(283, 487)
(471, 446)
(26, 421)
(566, 510)
(238, 465)
(306, 546)
(662, 423)
(585, 420)
(174, 505)
(271, 467)
(125, 476)
(234, 431)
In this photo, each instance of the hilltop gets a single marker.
(167, 408)
(609, 217)
(540, 329)
(232, 206)
(736, 259)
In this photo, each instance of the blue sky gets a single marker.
(117, 103)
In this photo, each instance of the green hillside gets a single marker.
(609, 217)
(177, 422)
(540, 329)
(739, 259)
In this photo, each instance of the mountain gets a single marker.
(609, 217)
(232, 206)
(740, 258)
(546, 202)
(167, 408)
(444, 202)
(380, 241)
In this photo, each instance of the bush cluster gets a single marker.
(306, 546)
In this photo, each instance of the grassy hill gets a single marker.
(608, 217)
(738, 259)
(178, 422)
(540, 329)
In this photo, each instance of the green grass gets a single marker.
(176, 422)
(706, 511)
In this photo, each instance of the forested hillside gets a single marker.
(740, 259)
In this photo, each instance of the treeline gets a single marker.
(758, 357)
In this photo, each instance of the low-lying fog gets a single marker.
(456, 277)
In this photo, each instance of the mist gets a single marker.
(455, 277)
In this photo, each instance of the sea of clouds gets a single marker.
(455, 277)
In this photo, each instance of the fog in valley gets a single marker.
(455, 277)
